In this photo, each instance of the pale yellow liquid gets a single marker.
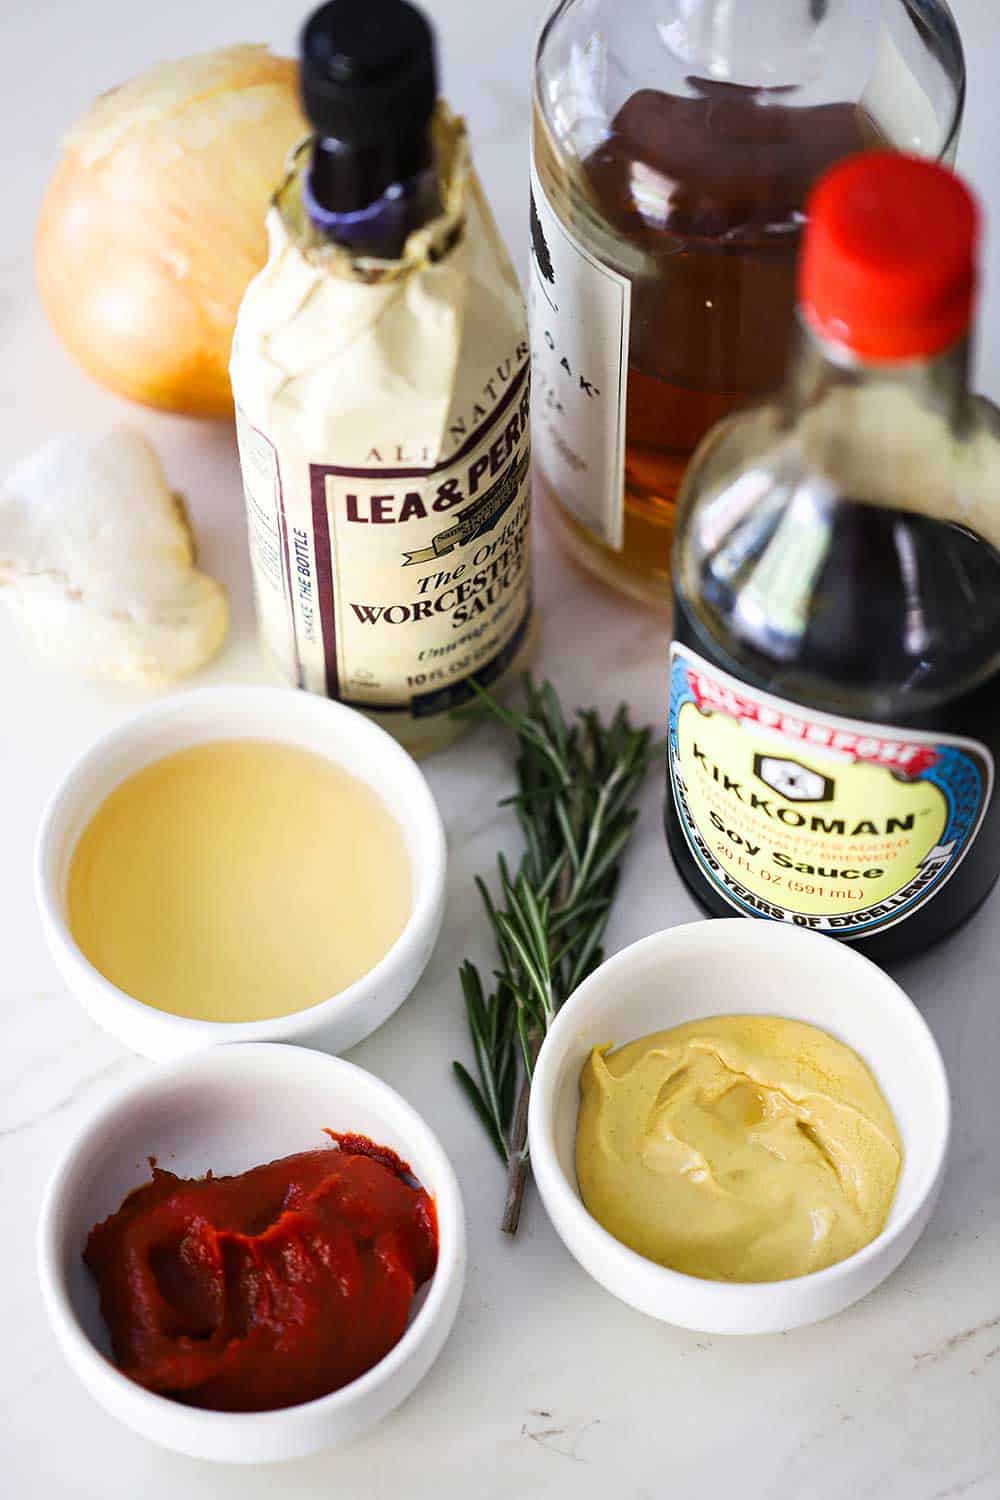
(238, 881)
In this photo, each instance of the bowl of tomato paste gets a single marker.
(253, 1254)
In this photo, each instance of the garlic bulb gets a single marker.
(97, 562)
(154, 222)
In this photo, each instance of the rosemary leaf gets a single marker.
(479, 1105)
(615, 846)
(587, 950)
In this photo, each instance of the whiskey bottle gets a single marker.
(674, 145)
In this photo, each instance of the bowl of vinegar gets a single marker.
(241, 864)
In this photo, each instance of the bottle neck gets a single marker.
(753, 45)
(371, 198)
(939, 383)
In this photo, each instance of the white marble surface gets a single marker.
(548, 1386)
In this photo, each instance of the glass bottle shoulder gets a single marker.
(901, 63)
(849, 559)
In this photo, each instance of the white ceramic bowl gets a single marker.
(270, 713)
(730, 967)
(228, 1109)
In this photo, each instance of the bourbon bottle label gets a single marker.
(805, 817)
(579, 311)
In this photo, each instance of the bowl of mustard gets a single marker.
(739, 1128)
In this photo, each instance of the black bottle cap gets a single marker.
(368, 70)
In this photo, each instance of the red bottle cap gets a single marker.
(888, 266)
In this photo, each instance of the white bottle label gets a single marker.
(579, 340)
(268, 535)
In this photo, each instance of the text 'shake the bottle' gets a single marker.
(674, 145)
(835, 672)
(380, 370)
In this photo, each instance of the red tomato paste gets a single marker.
(253, 1292)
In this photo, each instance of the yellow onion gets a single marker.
(154, 222)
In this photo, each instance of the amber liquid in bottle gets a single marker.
(699, 201)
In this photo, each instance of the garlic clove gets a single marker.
(97, 562)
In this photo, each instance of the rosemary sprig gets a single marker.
(576, 786)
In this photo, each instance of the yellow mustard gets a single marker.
(740, 1148)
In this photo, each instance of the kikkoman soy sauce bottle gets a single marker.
(835, 669)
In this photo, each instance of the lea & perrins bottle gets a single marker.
(835, 668)
(380, 371)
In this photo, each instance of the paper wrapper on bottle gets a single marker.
(382, 412)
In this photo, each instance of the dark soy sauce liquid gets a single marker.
(902, 628)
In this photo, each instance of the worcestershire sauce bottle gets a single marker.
(835, 669)
(380, 370)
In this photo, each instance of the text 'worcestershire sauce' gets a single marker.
(835, 702)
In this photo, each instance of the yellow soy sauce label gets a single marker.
(805, 817)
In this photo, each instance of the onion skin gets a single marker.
(154, 223)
